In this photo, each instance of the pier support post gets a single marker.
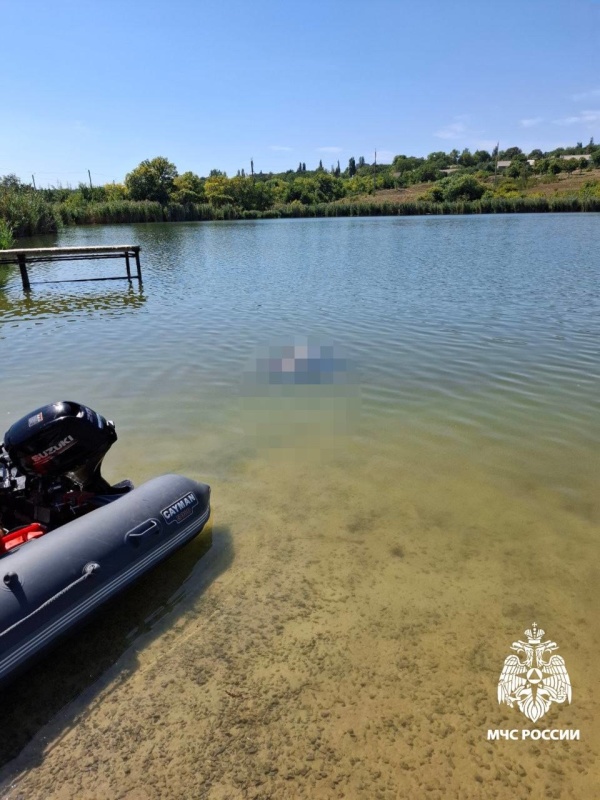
(127, 266)
(24, 275)
(139, 266)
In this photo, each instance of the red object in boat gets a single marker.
(20, 536)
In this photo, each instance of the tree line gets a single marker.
(158, 180)
(156, 190)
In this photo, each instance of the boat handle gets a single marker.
(135, 535)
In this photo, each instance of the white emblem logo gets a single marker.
(532, 682)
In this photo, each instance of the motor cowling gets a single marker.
(60, 439)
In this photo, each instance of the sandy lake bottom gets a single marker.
(345, 639)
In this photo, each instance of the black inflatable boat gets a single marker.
(68, 540)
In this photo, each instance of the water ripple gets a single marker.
(469, 323)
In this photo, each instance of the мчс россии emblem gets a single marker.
(531, 681)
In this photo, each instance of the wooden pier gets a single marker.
(24, 257)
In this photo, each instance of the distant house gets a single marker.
(577, 157)
(450, 170)
(506, 164)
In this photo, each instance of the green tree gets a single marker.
(438, 157)
(466, 158)
(152, 180)
(318, 188)
(279, 189)
(188, 188)
(115, 191)
(329, 188)
(402, 164)
(536, 155)
(463, 187)
(304, 190)
(512, 152)
(359, 184)
(428, 172)
(218, 190)
(555, 166)
(481, 156)
(434, 193)
(250, 194)
(519, 166)
(508, 188)
(351, 167)
(12, 182)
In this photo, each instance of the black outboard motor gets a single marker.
(50, 465)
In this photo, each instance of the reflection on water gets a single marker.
(38, 304)
(392, 532)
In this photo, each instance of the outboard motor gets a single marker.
(50, 465)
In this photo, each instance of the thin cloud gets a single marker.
(281, 148)
(586, 95)
(330, 149)
(585, 117)
(453, 131)
(529, 123)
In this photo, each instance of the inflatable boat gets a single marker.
(68, 540)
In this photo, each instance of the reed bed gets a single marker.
(29, 213)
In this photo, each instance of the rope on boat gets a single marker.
(88, 571)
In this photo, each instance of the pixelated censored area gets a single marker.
(302, 363)
(296, 394)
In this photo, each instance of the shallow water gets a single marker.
(380, 537)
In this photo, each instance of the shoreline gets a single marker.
(141, 212)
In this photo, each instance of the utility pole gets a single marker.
(90, 177)
(252, 168)
(375, 157)
(496, 169)
(33, 181)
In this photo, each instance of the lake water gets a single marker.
(387, 521)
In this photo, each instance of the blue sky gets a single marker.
(102, 85)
